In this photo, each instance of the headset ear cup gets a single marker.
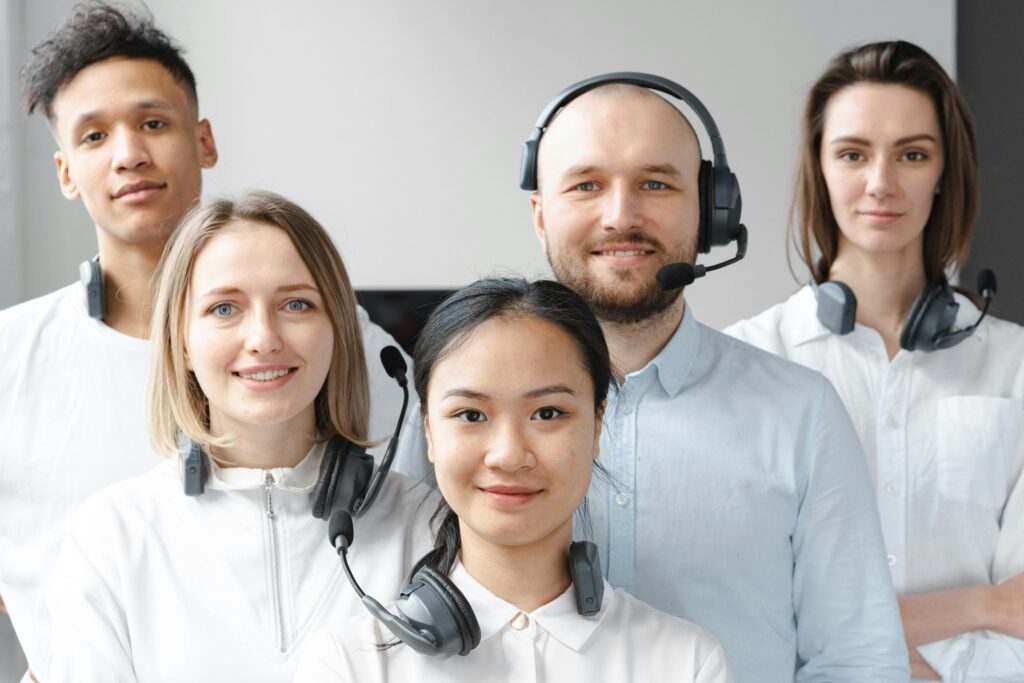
(327, 481)
(461, 610)
(918, 311)
(706, 197)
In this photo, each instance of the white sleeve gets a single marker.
(714, 669)
(89, 637)
(990, 656)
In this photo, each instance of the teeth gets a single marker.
(264, 376)
(632, 252)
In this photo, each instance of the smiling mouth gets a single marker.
(265, 376)
(623, 253)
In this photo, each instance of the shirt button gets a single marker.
(891, 559)
(622, 499)
(892, 489)
(520, 621)
(627, 409)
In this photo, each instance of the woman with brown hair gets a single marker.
(885, 206)
(259, 371)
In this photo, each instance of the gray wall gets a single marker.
(398, 124)
(990, 63)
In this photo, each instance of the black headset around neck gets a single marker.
(720, 200)
(91, 275)
(434, 617)
(929, 324)
(344, 482)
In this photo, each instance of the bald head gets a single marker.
(617, 115)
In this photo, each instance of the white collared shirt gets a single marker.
(943, 433)
(625, 641)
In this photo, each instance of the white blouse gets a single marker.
(625, 641)
(944, 436)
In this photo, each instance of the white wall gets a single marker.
(398, 124)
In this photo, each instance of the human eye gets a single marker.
(222, 310)
(469, 415)
(154, 124)
(655, 185)
(92, 137)
(298, 305)
(915, 155)
(547, 413)
(851, 155)
(588, 186)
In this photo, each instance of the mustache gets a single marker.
(632, 238)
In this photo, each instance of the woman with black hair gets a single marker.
(513, 378)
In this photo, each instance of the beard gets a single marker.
(629, 297)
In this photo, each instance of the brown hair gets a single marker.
(177, 402)
(948, 232)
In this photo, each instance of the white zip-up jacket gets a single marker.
(153, 585)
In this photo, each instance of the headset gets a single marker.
(929, 325)
(434, 617)
(91, 275)
(344, 482)
(719, 192)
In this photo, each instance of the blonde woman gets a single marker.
(259, 363)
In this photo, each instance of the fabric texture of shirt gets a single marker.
(154, 585)
(738, 498)
(943, 433)
(625, 641)
(72, 416)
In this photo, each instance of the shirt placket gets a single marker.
(892, 486)
(520, 640)
(621, 494)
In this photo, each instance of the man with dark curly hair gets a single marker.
(121, 103)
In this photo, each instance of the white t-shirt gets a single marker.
(72, 420)
(154, 585)
(943, 433)
(626, 641)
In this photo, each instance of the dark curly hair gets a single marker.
(96, 31)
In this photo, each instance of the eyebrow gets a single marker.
(585, 169)
(144, 105)
(664, 169)
(902, 141)
(218, 291)
(462, 392)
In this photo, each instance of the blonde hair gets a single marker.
(177, 404)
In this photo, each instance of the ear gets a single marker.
(598, 426)
(426, 433)
(206, 144)
(68, 188)
(537, 212)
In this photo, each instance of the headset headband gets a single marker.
(650, 81)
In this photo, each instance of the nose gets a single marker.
(130, 151)
(622, 209)
(881, 180)
(509, 449)
(262, 336)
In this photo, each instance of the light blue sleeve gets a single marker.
(848, 620)
(411, 455)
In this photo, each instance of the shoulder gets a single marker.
(779, 328)
(48, 308)
(651, 629)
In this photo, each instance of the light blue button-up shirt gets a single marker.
(738, 498)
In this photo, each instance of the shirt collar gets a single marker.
(803, 326)
(559, 617)
(674, 362)
(300, 478)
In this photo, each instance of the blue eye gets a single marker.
(297, 305)
(223, 310)
(655, 185)
(547, 413)
(586, 187)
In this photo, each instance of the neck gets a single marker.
(527, 576)
(261, 446)
(885, 286)
(633, 345)
(127, 277)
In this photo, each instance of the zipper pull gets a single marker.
(268, 482)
